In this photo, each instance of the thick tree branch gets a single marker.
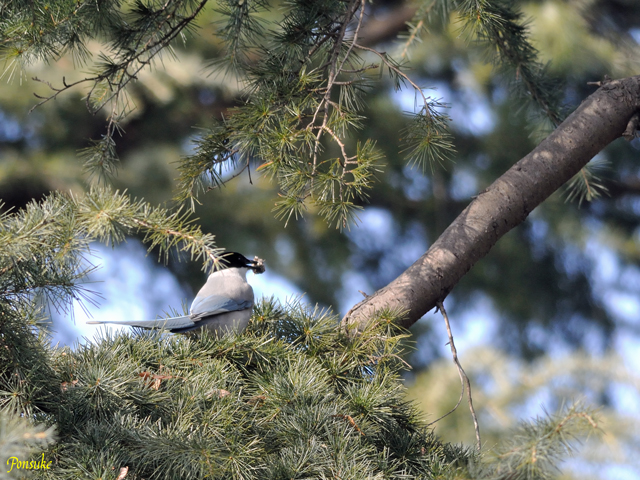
(600, 119)
(629, 186)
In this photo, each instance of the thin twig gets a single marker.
(453, 409)
(354, 39)
(345, 59)
(412, 37)
(322, 42)
(7, 268)
(583, 173)
(340, 144)
(57, 90)
(463, 376)
(372, 66)
(416, 30)
(390, 66)
(152, 49)
(333, 74)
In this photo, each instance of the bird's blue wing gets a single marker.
(214, 304)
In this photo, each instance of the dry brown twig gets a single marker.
(464, 380)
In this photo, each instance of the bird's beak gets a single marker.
(257, 265)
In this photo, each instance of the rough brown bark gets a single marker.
(599, 120)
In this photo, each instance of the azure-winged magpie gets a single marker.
(223, 303)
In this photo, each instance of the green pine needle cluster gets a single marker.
(46, 244)
(305, 91)
(587, 184)
(536, 447)
(294, 396)
(503, 32)
(427, 140)
(303, 96)
(498, 27)
(305, 81)
(305, 77)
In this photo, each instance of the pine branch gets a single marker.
(46, 246)
(537, 448)
(110, 215)
(502, 30)
(136, 38)
(506, 203)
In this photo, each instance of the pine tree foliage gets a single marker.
(135, 35)
(504, 385)
(292, 397)
(18, 439)
(502, 31)
(303, 96)
(44, 260)
(305, 78)
(536, 447)
(304, 83)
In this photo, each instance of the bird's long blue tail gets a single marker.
(167, 323)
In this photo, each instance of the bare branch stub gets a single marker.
(633, 126)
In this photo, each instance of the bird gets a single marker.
(224, 302)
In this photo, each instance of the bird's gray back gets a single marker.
(224, 291)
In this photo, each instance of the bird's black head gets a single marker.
(237, 260)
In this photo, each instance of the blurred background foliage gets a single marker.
(567, 279)
(507, 389)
